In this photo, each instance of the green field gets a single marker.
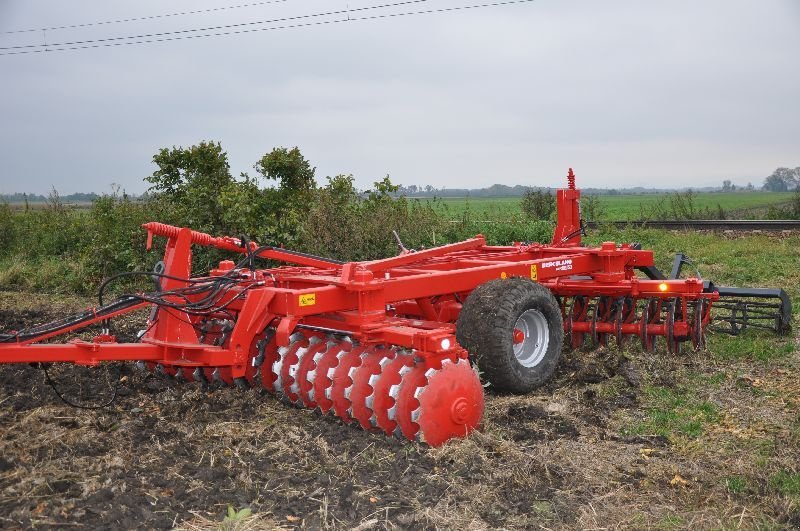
(623, 207)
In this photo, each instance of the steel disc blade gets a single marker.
(577, 313)
(322, 382)
(407, 403)
(211, 376)
(361, 391)
(289, 358)
(382, 401)
(605, 307)
(266, 376)
(255, 359)
(301, 376)
(601, 314)
(187, 373)
(218, 375)
(451, 404)
(699, 321)
(340, 388)
(673, 345)
(225, 375)
(626, 315)
(654, 308)
(271, 370)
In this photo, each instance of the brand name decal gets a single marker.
(559, 265)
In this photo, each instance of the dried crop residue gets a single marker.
(582, 452)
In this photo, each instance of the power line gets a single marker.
(150, 17)
(209, 28)
(289, 26)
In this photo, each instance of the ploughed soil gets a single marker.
(586, 451)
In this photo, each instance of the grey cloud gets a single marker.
(668, 93)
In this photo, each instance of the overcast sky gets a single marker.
(678, 93)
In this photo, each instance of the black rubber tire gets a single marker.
(485, 327)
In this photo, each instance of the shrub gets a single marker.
(538, 204)
(8, 230)
(342, 224)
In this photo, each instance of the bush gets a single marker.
(592, 208)
(341, 224)
(680, 206)
(58, 248)
(8, 230)
(538, 204)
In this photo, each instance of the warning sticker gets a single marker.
(534, 273)
(309, 299)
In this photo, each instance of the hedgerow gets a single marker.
(63, 248)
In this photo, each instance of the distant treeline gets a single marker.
(79, 197)
(501, 190)
(781, 180)
(413, 191)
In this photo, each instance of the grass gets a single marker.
(735, 484)
(672, 521)
(618, 207)
(752, 345)
(756, 260)
(674, 413)
(786, 483)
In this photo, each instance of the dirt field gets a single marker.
(701, 440)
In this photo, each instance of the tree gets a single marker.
(727, 186)
(289, 168)
(538, 204)
(189, 181)
(289, 202)
(782, 180)
(592, 207)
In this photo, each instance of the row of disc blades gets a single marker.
(380, 388)
(641, 312)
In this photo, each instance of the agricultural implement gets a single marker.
(390, 344)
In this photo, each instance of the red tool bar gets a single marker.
(82, 324)
(227, 243)
(691, 288)
(92, 353)
(79, 352)
(417, 256)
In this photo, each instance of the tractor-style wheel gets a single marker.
(514, 331)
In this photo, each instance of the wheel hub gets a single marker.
(531, 338)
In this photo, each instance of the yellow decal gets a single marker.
(503, 275)
(534, 273)
(309, 299)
